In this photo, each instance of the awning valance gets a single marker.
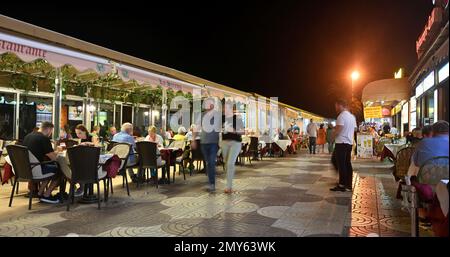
(387, 90)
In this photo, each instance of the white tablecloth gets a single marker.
(283, 143)
(394, 148)
(442, 195)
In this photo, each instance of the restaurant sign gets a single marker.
(372, 112)
(430, 31)
(22, 49)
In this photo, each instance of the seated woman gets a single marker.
(181, 134)
(84, 136)
(155, 138)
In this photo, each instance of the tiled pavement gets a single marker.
(276, 197)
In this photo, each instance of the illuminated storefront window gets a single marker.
(443, 73)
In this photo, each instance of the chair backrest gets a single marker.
(84, 162)
(178, 144)
(253, 144)
(381, 143)
(402, 162)
(110, 145)
(20, 161)
(433, 171)
(197, 154)
(122, 150)
(147, 154)
(70, 143)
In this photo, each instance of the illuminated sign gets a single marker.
(430, 30)
(372, 112)
(398, 74)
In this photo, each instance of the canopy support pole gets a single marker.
(57, 99)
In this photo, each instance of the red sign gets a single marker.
(23, 49)
(430, 28)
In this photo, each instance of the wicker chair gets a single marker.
(430, 173)
(122, 150)
(27, 168)
(380, 145)
(402, 162)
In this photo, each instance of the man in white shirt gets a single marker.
(343, 134)
(311, 131)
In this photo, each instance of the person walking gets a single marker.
(321, 138)
(330, 139)
(343, 135)
(209, 142)
(311, 131)
(233, 130)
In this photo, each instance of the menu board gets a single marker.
(364, 145)
(372, 112)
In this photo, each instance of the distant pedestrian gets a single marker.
(344, 135)
(321, 138)
(231, 144)
(311, 131)
(209, 142)
(330, 139)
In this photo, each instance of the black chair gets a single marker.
(243, 154)
(68, 142)
(26, 170)
(180, 160)
(197, 156)
(122, 150)
(84, 163)
(148, 160)
(254, 149)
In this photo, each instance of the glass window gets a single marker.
(419, 89)
(436, 109)
(72, 115)
(428, 82)
(33, 111)
(7, 116)
(443, 73)
(141, 120)
(431, 106)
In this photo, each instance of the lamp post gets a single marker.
(354, 76)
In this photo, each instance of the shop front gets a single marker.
(429, 79)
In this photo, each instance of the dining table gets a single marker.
(391, 150)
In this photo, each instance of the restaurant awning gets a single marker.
(386, 90)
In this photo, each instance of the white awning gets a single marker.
(387, 90)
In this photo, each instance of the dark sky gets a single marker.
(299, 51)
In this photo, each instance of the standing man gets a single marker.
(209, 141)
(311, 131)
(343, 134)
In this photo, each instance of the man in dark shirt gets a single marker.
(39, 144)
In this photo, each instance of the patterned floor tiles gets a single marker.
(286, 196)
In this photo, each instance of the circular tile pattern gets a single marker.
(274, 212)
(402, 224)
(361, 220)
(173, 201)
(242, 207)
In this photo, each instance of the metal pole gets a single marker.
(17, 123)
(164, 110)
(57, 98)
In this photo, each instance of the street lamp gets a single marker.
(354, 76)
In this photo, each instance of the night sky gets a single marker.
(299, 51)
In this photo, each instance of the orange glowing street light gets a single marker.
(354, 76)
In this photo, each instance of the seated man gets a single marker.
(39, 144)
(434, 146)
(126, 136)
